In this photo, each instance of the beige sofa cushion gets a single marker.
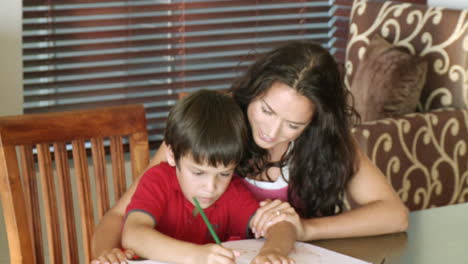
(388, 81)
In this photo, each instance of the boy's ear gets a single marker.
(170, 156)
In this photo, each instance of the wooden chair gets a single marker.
(36, 179)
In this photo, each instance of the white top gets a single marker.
(278, 184)
(281, 182)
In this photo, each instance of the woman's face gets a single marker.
(279, 115)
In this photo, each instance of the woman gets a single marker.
(302, 159)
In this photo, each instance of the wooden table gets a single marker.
(435, 236)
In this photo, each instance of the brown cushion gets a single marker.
(388, 82)
(438, 35)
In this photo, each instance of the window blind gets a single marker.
(340, 22)
(86, 53)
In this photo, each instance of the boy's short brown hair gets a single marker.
(208, 125)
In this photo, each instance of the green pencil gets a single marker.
(207, 222)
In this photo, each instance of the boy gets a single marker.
(206, 133)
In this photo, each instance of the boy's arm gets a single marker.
(107, 234)
(140, 236)
(280, 239)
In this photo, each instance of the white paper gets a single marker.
(303, 253)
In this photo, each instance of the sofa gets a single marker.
(413, 95)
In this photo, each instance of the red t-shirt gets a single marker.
(159, 195)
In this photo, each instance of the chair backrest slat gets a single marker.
(27, 169)
(117, 170)
(84, 191)
(137, 152)
(31, 195)
(49, 195)
(99, 158)
(13, 206)
(66, 205)
(46, 177)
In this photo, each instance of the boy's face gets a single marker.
(202, 181)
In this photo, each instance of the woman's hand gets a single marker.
(271, 256)
(214, 254)
(272, 212)
(114, 256)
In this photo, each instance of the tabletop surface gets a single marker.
(436, 235)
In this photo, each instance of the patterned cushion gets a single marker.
(438, 35)
(423, 155)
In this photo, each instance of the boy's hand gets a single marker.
(272, 212)
(214, 254)
(114, 256)
(271, 256)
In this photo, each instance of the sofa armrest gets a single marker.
(423, 155)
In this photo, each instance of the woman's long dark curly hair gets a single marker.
(323, 158)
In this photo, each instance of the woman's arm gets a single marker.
(378, 210)
(140, 236)
(107, 234)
